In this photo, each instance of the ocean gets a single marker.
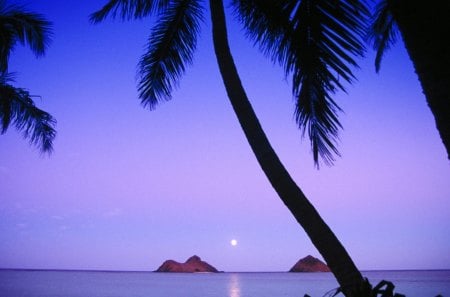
(59, 283)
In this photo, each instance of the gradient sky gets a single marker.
(127, 188)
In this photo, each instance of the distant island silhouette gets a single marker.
(192, 265)
(310, 264)
(196, 264)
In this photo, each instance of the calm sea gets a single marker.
(32, 283)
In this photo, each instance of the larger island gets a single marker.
(193, 264)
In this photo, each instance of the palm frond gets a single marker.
(316, 114)
(267, 24)
(17, 107)
(19, 25)
(383, 32)
(170, 48)
(317, 43)
(128, 9)
(7, 42)
(5, 104)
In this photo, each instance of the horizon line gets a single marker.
(220, 271)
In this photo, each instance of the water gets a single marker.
(27, 283)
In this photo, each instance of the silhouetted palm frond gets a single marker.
(267, 24)
(170, 48)
(171, 44)
(17, 107)
(316, 42)
(383, 32)
(19, 25)
(129, 9)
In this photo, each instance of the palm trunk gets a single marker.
(425, 31)
(322, 237)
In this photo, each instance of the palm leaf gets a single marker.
(383, 32)
(171, 44)
(170, 48)
(17, 107)
(128, 9)
(316, 42)
(19, 25)
(267, 24)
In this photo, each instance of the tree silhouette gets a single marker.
(424, 28)
(170, 49)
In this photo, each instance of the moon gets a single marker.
(233, 242)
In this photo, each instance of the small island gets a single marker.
(192, 265)
(310, 264)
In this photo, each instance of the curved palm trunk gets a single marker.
(425, 30)
(318, 231)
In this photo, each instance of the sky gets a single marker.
(127, 188)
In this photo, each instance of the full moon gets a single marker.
(233, 242)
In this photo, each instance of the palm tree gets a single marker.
(170, 49)
(424, 28)
(16, 105)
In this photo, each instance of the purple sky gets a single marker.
(127, 188)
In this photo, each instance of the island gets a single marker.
(310, 264)
(193, 264)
